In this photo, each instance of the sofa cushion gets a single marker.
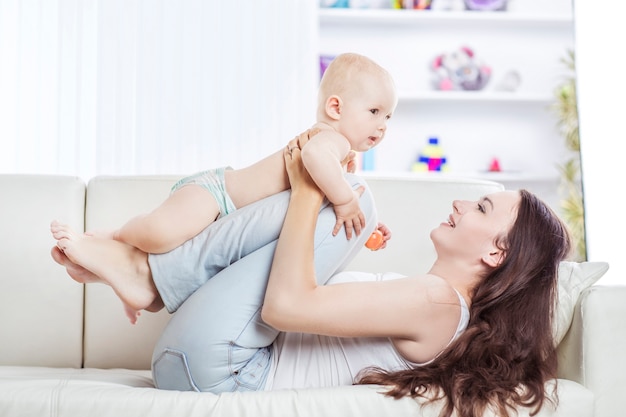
(37, 392)
(574, 277)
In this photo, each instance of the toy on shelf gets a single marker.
(494, 166)
(357, 4)
(431, 158)
(486, 5)
(368, 160)
(325, 61)
(411, 4)
(335, 3)
(509, 82)
(459, 70)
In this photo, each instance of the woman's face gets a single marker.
(473, 226)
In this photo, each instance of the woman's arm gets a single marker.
(408, 310)
(293, 271)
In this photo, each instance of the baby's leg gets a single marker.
(117, 264)
(180, 217)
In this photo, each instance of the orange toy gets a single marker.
(375, 241)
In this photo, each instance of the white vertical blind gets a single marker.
(93, 87)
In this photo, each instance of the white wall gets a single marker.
(95, 87)
(600, 32)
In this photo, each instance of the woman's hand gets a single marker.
(349, 162)
(299, 177)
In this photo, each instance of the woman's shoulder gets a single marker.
(437, 312)
(436, 288)
(427, 297)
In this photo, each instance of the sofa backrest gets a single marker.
(410, 206)
(110, 340)
(41, 309)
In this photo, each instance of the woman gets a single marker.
(497, 262)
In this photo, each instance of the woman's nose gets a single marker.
(459, 206)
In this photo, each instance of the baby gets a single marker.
(356, 99)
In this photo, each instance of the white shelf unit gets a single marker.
(474, 96)
(516, 127)
(411, 17)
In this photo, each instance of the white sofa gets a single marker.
(67, 349)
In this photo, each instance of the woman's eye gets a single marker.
(481, 208)
(374, 111)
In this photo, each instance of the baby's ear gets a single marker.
(333, 107)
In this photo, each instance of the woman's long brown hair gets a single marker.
(507, 353)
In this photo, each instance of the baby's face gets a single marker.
(366, 111)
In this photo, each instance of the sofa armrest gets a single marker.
(593, 352)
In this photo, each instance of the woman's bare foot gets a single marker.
(84, 276)
(77, 272)
(103, 234)
(123, 267)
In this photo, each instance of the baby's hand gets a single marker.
(350, 216)
(379, 238)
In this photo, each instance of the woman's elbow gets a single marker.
(267, 315)
(275, 314)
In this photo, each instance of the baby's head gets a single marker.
(357, 97)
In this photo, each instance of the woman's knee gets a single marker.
(170, 371)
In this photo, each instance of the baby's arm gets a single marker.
(322, 158)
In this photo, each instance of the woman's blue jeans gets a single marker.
(215, 283)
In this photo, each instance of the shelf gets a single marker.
(475, 96)
(516, 126)
(502, 177)
(416, 17)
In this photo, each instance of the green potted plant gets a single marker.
(572, 208)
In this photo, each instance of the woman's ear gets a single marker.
(494, 258)
(333, 107)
